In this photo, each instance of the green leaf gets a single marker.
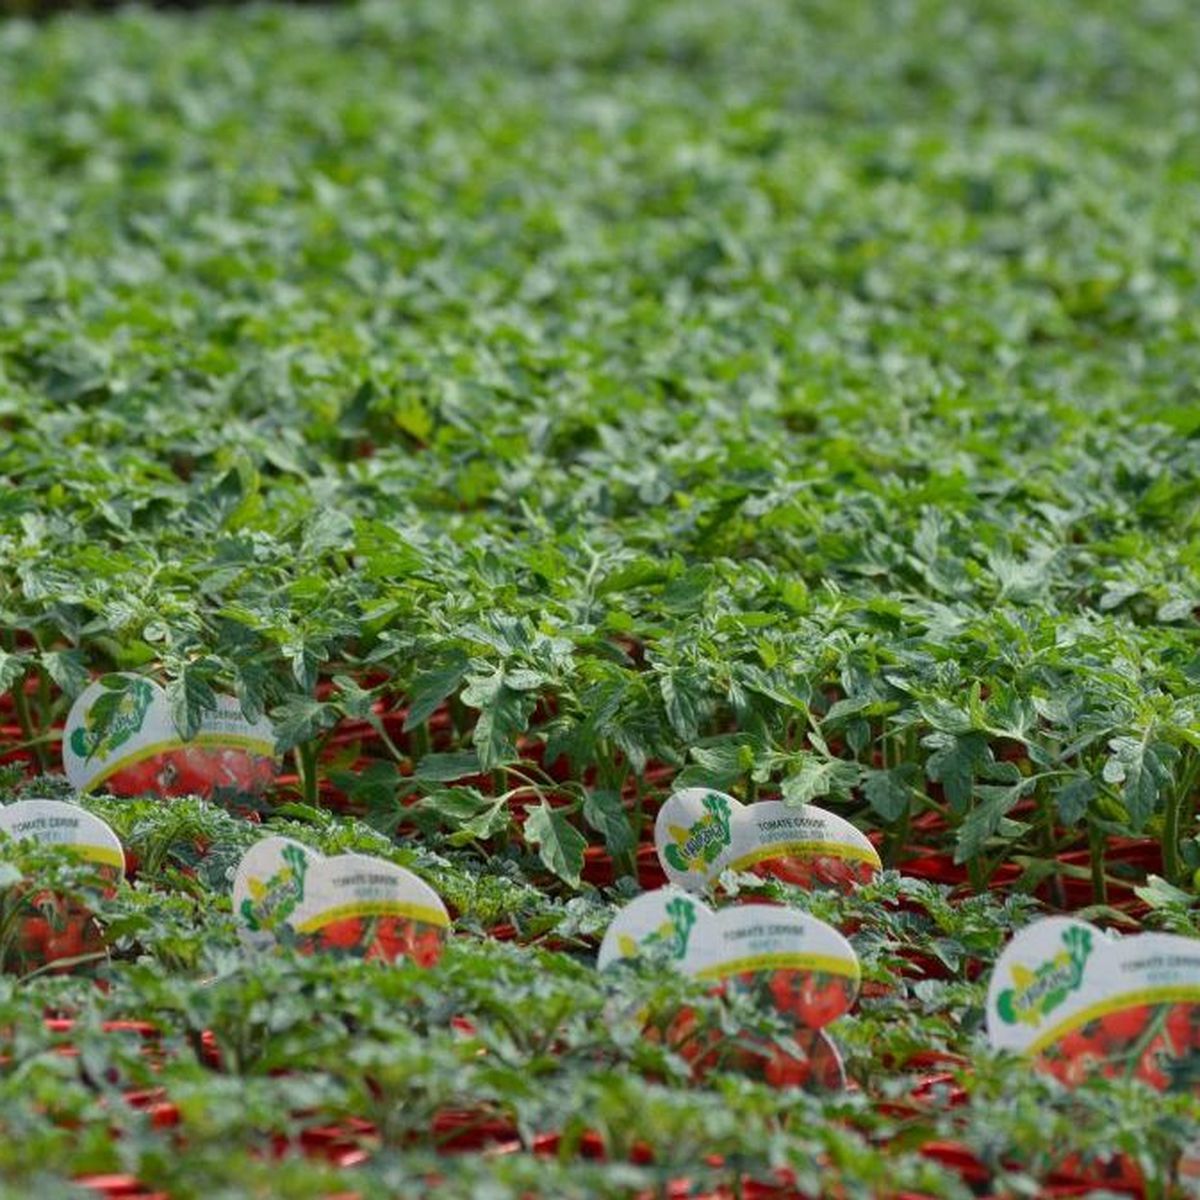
(605, 813)
(684, 703)
(954, 763)
(67, 669)
(992, 805)
(503, 715)
(816, 777)
(560, 845)
(300, 718)
(12, 670)
(431, 688)
(1073, 798)
(1143, 769)
(890, 792)
(444, 768)
(190, 697)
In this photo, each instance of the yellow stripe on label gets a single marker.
(222, 741)
(104, 856)
(826, 964)
(376, 908)
(841, 850)
(1166, 994)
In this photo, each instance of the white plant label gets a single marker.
(352, 904)
(700, 832)
(1082, 1002)
(57, 823)
(120, 734)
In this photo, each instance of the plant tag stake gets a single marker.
(57, 823)
(120, 734)
(52, 927)
(699, 833)
(351, 904)
(781, 959)
(1080, 1002)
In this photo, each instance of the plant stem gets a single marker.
(306, 768)
(1176, 816)
(897, 837)
(1096, 847)
(420, 744)
(25, 720)
(1058, 894)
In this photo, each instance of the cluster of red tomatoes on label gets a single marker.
(822, 870)
(813, 999)
(1156, 1043)
(386, 938)
(52, 928)
(195, 770)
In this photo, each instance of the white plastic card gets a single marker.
(700, 832)
(778, 958)
(813, 969)
(353, 904)
(120, 734)
(57, 823)
(1082, 1002)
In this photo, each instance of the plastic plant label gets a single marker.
(803, 845)
(1082, 1003)
(659, 923)
(782, 959)
(694, 836)
(808, 968)
(120, 734)
(51, 927)
(351, 904)
(370, 908)
(270, 882)
(57, 823)
(699, 833)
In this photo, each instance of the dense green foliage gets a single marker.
(801, 397)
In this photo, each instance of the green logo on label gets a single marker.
(1038, 993)
(701, 845)
(115, 716)
(671, 938)
(271, 902)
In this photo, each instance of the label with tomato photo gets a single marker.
(270, 881)
(57, 823)
(1082, 1003)
(351, 905)
(658, 924)
(699, 833)
(120, 735)
(781, 960)
(46, 927)
(811, 1061)
(803, 845)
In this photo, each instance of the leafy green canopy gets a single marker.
(801, 395)
(695, 366)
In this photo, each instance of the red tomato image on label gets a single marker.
(821, 870)
(57, 929)
(1157, 1044)
(195, 771)
(385, 938)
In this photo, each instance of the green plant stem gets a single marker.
(976, 874)
(635, 820)
(1058, 894)
(1096, 849)
(420, 742)
(897, 837)
(306, 768)
(1176, 816)
(25, 720)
